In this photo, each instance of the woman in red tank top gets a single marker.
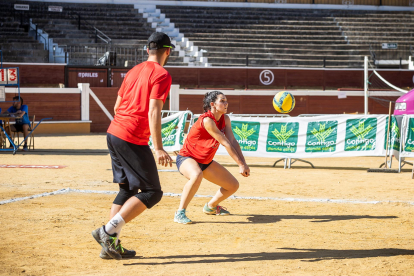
(195, 160)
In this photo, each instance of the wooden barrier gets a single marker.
(107, 95)
(39, 74)
(59, 106)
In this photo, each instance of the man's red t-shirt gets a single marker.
(146, 81)
(199, 144)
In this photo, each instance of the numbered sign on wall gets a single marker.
(3, 76)
(12, 76)
(2, 93)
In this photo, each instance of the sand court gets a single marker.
(335, 219)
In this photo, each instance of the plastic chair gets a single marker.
(2, 140)
(31, 138)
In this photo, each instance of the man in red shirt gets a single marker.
(137, 115)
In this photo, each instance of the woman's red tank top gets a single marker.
(200, 145)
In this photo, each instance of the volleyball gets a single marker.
(283, 102)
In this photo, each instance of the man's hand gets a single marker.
(244, 170)
(163, 158)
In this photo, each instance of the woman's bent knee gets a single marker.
(234, 187)
(197, 177)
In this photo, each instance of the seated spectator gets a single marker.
(23, 123)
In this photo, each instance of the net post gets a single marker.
(366, 85)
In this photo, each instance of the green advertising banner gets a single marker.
(168, 133)
(182, 127)
(361, 134)
(317, 136)
(321, 136)
(172, 131)
(282, 137)
(247, 134)
(394, 138)
(409, 141)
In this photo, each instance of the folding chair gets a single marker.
(31, 138)
(2, 140)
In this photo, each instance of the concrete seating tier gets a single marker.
(252, 41)
(282, 25)
(312, 50)
(277, 55)
(253, 32)
(121, 23)
(284, 63)
(16, 44)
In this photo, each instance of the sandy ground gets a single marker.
(51, 235)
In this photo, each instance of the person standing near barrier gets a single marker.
(137, 114)
(195, 160)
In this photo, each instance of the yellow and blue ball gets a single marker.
(283, 102)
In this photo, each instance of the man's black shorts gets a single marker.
(133, 164)
(19, 127)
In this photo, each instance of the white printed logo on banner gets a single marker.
(361, 134)
(321, 136)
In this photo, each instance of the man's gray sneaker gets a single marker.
(107, 242)
(125, 253)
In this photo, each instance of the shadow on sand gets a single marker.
(277, 218)
(306, 255)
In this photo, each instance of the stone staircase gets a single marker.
(185, 48)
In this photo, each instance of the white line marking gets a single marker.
(288, 199)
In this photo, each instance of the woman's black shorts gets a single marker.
(180, 159)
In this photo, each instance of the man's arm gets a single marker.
(117, 104)
(154, 117)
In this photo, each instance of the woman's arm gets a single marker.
(212, 129)
(229, 134)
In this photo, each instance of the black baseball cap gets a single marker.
(161, 40)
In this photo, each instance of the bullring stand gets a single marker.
(13, 147)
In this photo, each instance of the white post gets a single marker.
(366, 85)
(174, 98)
(84, 88)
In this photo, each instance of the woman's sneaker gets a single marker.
(218, 210)
(180, 217)
(125, 253)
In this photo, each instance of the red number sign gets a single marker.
(3, 76)
(12, 75)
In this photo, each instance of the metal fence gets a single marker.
(390, 52)
(104, 55)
